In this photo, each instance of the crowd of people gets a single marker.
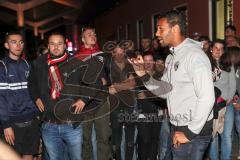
(172, 98)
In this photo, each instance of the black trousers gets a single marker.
(148, 130)
(148, 138)
(120, 119)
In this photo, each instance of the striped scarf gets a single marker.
(54, 74)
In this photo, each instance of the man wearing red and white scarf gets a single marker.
(46, 83)
(89, 46)
(95, 148)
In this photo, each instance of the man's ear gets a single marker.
(6, 45)
(176, 29)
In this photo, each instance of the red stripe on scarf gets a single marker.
(84, 52)
(55, 76)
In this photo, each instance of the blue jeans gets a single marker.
(94, 142)
(55, 136)
(237, 123)
(193, 150)
(226, 138)
(165, 140)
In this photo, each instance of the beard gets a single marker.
(164, 41)
(56, 54)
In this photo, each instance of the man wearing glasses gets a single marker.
(17, 110)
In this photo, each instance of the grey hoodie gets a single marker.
(191, 99)
(238, 81)
(227, 84)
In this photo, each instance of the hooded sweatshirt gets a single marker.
(191, 99)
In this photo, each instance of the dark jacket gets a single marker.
(127, 99)
(76, 86)
(16, 104)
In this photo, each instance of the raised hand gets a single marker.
(138, 65)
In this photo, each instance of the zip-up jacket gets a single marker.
(191, 99)
(16, 104)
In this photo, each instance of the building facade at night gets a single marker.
(115, 19)
(134, 19)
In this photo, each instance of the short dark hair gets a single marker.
(158, 57)
(8, 34)
(148, 53)
(175, 17)
(41, 48)
(57, 33)
(232, 27)
(204, 38)
(218, 41)
(146, 38)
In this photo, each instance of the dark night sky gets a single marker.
(90, 11)
(29, 42)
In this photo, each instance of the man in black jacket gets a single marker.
(96, 117)
(55, 83)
